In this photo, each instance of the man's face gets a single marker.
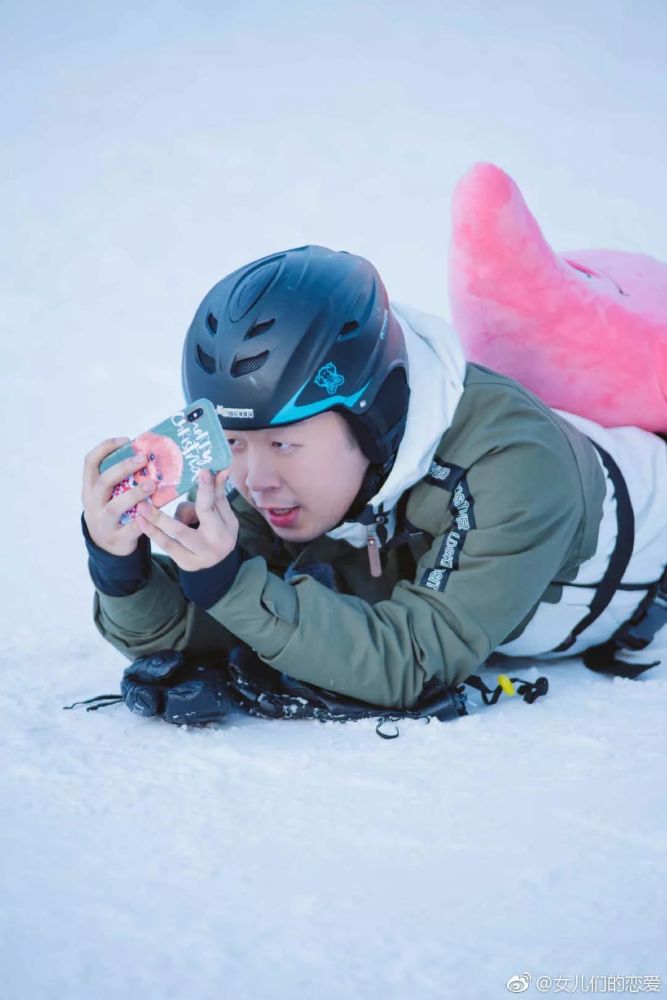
(301, 477)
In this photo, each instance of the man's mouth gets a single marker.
(282, 517)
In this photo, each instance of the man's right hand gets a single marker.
(101, 509)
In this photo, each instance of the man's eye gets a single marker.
(282, 445)
(151, 458)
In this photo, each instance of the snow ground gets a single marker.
(147, 150)
(298, 859)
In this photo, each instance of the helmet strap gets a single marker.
(373, 479)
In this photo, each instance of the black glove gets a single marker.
(165, 684)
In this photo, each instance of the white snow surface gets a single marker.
(146, 151)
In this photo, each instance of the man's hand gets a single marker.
(102, 510)
(202, 547)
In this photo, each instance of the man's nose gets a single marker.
(261, 474)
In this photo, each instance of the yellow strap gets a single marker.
(506, 684)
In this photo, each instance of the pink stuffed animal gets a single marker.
(586, 331)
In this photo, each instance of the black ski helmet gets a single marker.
(297, 333)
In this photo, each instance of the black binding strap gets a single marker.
(530, 691)
(637, 633)
(102, 699)
(620, 557)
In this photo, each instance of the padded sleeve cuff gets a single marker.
(205, 587)
(117, 576)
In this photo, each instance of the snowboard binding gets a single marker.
(184, 689)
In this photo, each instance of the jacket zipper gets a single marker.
(373, 546)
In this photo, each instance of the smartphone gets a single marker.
(176, 449)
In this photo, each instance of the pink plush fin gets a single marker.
(499, 245)
(586, 331)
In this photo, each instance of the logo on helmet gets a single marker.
(328, 378)
(235, 413)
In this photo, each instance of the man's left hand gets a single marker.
(191, 548)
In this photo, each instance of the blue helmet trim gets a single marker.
(291, 411)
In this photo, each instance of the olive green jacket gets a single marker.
(507, 513)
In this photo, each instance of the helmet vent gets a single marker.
(245, 366)
(205, 361)
(252, 286)
(349, 330)
(258, 328)
(212, 323)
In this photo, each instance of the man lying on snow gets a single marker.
(393, 515)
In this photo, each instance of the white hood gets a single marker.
(436, 371)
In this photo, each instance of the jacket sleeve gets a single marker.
(507, 529)
(158, 616)
(155, 617)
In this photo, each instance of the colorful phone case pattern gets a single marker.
(176, 449)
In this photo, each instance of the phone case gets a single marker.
(177, 448)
